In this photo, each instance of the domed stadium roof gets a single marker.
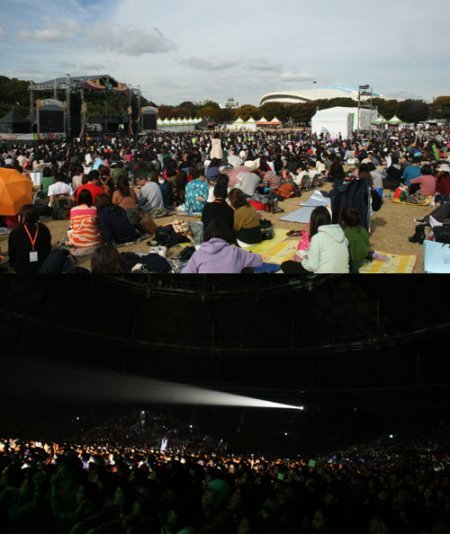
(311, 95)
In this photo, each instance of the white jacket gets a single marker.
(328, 252)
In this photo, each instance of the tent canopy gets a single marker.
(14, 122)
(395, 120)
(342, 121)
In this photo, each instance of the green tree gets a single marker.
(440, 108)
(413, 110)
(246, 111)
(14, 94)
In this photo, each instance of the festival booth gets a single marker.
(342, 121)
(263, 123)
(395, 121)
(177, 125)
(13, 123)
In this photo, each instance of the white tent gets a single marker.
(341, 121)
(395, 120)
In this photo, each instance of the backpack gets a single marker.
(41, 203)
(442, 234)
(62, 204)
(287, 190)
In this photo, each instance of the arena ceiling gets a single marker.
(256, 333)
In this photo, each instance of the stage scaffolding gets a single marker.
(81, 85)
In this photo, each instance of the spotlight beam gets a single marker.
(84, 384)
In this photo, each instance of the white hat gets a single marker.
(251, 165)
(444, 167)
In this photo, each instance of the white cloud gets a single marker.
(209, 64)
(296, 77)
(52, 31)
(262, 64)
(130, 41)
(2, 32)
(92, 67)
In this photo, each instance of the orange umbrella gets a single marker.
(16, 190)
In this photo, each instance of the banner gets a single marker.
(50, 102)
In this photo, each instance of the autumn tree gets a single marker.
(440, 108)
(246, 111)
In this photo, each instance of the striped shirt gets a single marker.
(84, 231)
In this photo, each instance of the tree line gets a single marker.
(14, 94)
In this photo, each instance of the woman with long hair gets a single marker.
(124, 196)
(247, 224)
(328, 251)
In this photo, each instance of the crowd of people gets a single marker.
(107, 484)
(113, 190)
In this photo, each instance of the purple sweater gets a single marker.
(217, 256)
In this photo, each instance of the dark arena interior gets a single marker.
(261, 367)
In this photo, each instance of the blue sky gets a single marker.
(193, 50)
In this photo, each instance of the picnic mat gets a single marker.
(315, 200)
(426, 202)
(396, 264)
(302, 216)
(264, 246)
(277, 250)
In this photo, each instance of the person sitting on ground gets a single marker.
(84, 234)
(125, 196)
(77, 178)
(47, 179)
(443, 180)
(164, 186)
(247, 223)
(107, 260)
(249, 180)
(271, 181)
(30, 243)
(357, 236)
(59, 188)
(218, 255)
(92, 185)
(213, 170)
(412, 170)
(219, 209)
(118, 171)
(106, 182)
(196, 193)
(328, 251)
(149, 196)
(424, 185)
(115, 226)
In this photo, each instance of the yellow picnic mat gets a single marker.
(264, 246)
(277, 250)
(426, 202)
(396, 264)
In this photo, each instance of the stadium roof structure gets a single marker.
(311, 95)
(326, 335)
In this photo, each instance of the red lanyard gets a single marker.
(32, 240)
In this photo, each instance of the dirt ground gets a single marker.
(390, 228)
